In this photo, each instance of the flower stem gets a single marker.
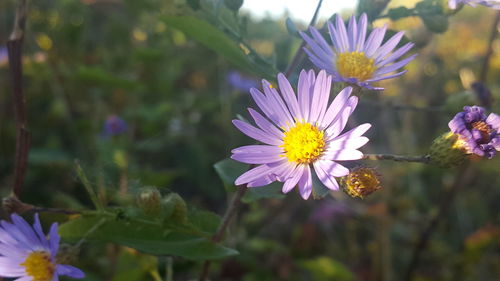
(299, 55)
(23, 138)
(399, 158)
(230, 212)
(88, 187)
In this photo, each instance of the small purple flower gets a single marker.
(240, 82)
(27, 254)
(114, 126)
(328, 211)
(495, 4)
(353, 58)
(299, 131)
(479, 134)
(4, 55)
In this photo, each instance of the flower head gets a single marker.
(299, 132)
(353, 58)
(114, 126)
(28, 255)
(361, 182)
(495, 4)
(479, 134)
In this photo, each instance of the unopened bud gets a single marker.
(448, 150)
(361, 182)
(149, 200)
(178, 206)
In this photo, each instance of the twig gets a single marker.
(461, 180)
(489, 50)
(402, 106)
(14, 48)
(399, 158)
(230, 212)
(299, 55)
(12, 204)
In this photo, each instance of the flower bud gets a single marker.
(448, 150)
(361, 182)
(149, 200)
(175, 203)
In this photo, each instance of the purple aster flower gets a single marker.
(28, 255)
(114, 126)
(479, 134)
(495, 4)
(298, 132)
(240, 82)
(353, 58)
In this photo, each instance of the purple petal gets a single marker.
(289, 96)
(388, 46)
(291, 182)
(342, 155)
(252, 175)
(352, 33)
(336, 106)
(265, 125)
(339, 123)
(276, 103)
(54, 239)
(320, 96)
(342, 33)
(328, 181)
(70, 271)
(361, 32)
(304, 89)
(373, 44)
(333, 169)
(394, 66)
(305, 183)
(255, 133)
(494, 121)
(395, 55)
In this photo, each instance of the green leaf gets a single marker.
(217, 41)
(228, 170)
(145, 236)
(325, 269)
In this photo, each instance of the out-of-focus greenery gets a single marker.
(162, 66)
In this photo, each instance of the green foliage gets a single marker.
(326, 269)
(214, 39)
(187, 240)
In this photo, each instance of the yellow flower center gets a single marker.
(355, 65)
(39, 266)
(303, 143)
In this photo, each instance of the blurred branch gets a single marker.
(230, 212)
(401, 106)
(398, 158)
(489, 50)
(299, 55)
(461, 179)
(14, 47)
(13, 205)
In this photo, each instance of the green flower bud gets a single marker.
(149, 200)
(178, 207)
(436, 23)
(448, 151)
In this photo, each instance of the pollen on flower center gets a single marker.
(39, 266)
(484, 129)
(303, 143)
(355, 65)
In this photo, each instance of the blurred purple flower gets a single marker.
(479, 133)
(4, 55)
(495, 4)
(240, 82)
(114, 126)
(327, 211)
(354, 58)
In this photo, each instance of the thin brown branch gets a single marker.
(230, 212)
(299, 55)
(14, 47)
(489, 51)
(399, 158)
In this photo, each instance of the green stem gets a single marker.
(399, 158)
(169, 270)
(85, 181)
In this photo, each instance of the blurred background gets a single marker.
(140, 103)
